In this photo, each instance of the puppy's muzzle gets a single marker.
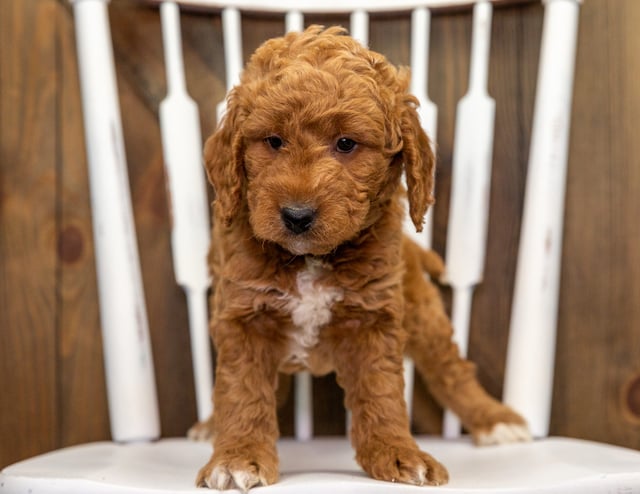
(298, 219)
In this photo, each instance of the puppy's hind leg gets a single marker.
(451, 379)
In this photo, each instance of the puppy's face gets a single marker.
(315, 159)
(314, 143)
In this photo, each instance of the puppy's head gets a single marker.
(314, 142)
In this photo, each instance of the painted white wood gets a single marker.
(329, 6)
(531, 348)
(133, 408)
(460, 318)
(190, 230)
(303, 406)
(327, 465)
(232, 34)
(427, 111)
(471, 178)
(408, 372)
(360, 26)
(294, 21)
(200, 344)
(471, 168)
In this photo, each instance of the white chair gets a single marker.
(138, 463)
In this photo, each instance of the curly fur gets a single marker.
(348, 292)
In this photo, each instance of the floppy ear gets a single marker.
(223, 153)
(419, 163)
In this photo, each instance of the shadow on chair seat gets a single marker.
(326, 465)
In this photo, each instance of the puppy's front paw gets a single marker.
(241, 469)
(403, 464)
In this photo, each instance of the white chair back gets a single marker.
(530, 360)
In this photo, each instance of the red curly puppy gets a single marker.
(310, 267)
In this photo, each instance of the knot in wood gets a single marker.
(70, 244)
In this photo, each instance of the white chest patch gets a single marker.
(310, 310)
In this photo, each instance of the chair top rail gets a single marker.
(332, 6)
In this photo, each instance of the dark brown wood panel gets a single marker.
(621, 332)
(28, 223)
(586, 303)
(598, 356)
(50, 343)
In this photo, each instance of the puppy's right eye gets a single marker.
(275, 142)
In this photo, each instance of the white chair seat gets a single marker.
(326, 465)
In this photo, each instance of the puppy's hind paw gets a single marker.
(503, 433)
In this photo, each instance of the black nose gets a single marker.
(298, 219)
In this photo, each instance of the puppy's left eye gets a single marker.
(345, 145)
(274, 141)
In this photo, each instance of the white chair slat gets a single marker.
(294, 21)
(133, 405)
(428, 111)
(360, 26)
(172, 44)
(190, 229)
(232, 34)
(471, 179)
(471, 167)
(303, 406)
(531, 349)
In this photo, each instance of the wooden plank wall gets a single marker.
(51, 371)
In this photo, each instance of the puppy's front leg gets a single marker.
(369, 368)
(245, 422)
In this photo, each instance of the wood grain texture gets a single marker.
(28, 222)
(599, 342)
(50, 344)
